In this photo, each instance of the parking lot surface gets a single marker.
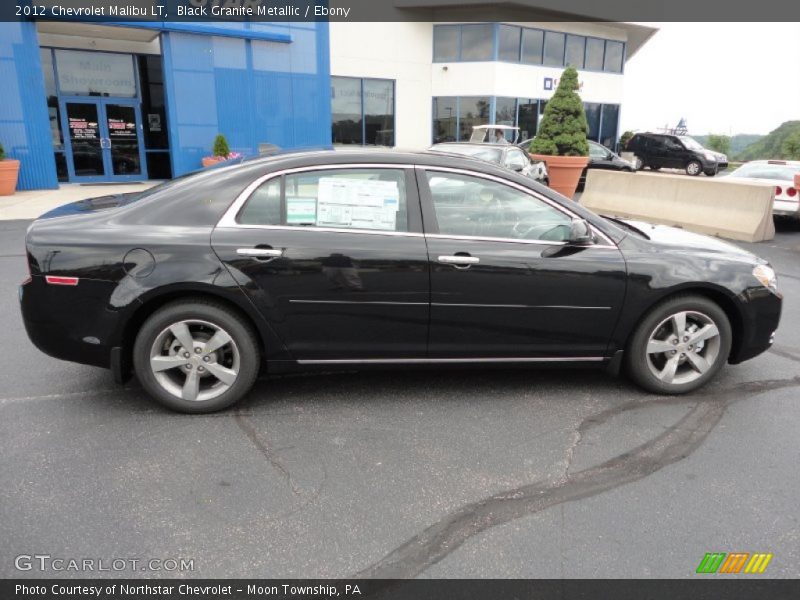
(430, 473)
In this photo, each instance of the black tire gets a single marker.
(640, 366)
(243, 343)
(694, 168)
(710, 173)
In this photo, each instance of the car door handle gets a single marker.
(459, 260)
(260, 252)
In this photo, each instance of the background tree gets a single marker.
(563, 129)
(624, 139)
(791, 147)
(221, 147)
(719, 143)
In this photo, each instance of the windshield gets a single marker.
(767, 171)
(486, 153)
(690, 143)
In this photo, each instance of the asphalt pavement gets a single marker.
(496, 473)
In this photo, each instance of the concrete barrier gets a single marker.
(713, 206)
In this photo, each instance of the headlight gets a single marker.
(710, 155)
(766, 276)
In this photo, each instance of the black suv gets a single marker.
(657, 150)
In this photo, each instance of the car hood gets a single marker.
(674, 238)
(91, 205)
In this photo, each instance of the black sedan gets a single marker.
(343, 260)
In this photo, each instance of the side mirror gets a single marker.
(580, 233)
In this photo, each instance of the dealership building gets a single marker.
(116, 102)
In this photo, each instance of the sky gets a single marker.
(723, 78)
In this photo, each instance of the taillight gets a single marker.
(778, 190)
(56, 280)
(791, 192)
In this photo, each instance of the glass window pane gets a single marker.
(56, 135)
(478, 207)
(477, 41)
(594, 54)
(613, 61)
(372, 199)
(379, 112)
(346, 110)
(554, 49)
(575, 49)
(505, 111)
(445, 114)
(445, 42)
(264, 205)
(608, 130)
(528, 118)
(532, 44)
(472, 111)
(593, 118)
(95, 73)
(509, 43)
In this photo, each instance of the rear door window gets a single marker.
(358, 198)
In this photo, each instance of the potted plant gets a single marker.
(561, 137)
(220, 152)
(9, 172)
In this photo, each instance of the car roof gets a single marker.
(779, 162)
(479, 144)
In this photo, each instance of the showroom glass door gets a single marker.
(104, 140)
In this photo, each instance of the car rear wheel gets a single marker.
(679, 346)
(694, 168)
(196, 356)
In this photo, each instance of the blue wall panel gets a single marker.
(24, 121)
(252, 91)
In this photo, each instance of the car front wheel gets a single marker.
(694, 168)
(679, 346)
(196, 356)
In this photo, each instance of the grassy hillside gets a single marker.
(739, 142)
(772, 145)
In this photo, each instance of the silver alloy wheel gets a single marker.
(683, 347)
(195, 360)
(693, 168)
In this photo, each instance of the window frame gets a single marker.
(362, 104)
(230, 219)
(432, 223)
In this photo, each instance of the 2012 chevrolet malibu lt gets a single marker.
(342, 260)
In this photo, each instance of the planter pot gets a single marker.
(209, 161)
(9, 172)
(564, 172)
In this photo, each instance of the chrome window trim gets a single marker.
(228, 219)
(417, 361)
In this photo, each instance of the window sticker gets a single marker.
(301, 211)
(358, 203)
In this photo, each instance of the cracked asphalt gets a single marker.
(496, 473)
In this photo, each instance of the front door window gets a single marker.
(472, 206)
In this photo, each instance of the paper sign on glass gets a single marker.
(358, 203)
(301, 211)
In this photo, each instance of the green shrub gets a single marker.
(2, 152)
(221, 146)
(563, 129)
